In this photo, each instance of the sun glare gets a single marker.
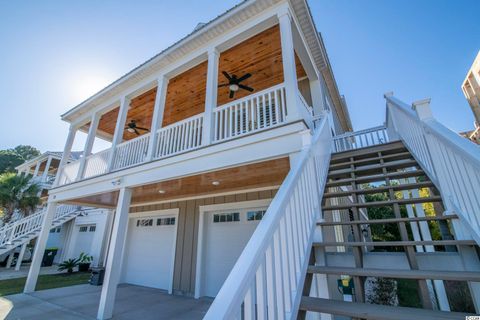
(86, 86)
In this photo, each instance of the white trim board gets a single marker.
(217, 207)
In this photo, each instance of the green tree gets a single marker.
(9, 160)
(17, 193)
(26, 152)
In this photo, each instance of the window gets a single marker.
(144, 222)
(59, 229)
(83, 229)
(255, 215)
(92, 228)
(55, 230)
(226, 217)
(165, 221)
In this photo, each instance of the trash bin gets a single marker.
(48, 257)
(96, 279)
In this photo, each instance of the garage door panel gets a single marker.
(150, 252)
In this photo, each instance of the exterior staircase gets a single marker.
(19, 232)
(350, 247)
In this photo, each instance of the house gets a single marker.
(471, 90)
(233, 173)
(79, 229)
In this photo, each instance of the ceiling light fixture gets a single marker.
(216, 183)
(161, 191)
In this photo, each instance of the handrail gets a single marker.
(32, 223)
(361, 138)
(451, 162)
(249, 97)
(269, 274)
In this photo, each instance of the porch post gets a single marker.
(47, 167)
(317, 97)
(37, 167)
(289, 68)
(20, 256)
(119, 127)
(157, 119)
(114, 261)
(72, 131)
(40, 248)
(211, 95)
(87, 150)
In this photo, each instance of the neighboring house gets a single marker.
(222, 147)
(471, 90)
(82, 231)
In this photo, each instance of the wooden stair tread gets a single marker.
(399, 273)
(399, 187)
(379, 177)
(388, 220)
(374, 160)
(387, 148)
(375, 312)
(383, 203)
(396, 243)
(373, 168)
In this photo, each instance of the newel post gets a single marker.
(422, 109)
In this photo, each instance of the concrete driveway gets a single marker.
(81, 302)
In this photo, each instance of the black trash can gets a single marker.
(48, 257)
(96, 279)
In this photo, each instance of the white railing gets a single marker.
(306, 110)
(131, 152)
(69, 173)
(97, 163)
(360, 139)
(267, 280)
(32, 223)
(179, 137)
(451, 161)
(255, 112)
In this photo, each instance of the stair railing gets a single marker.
(451, 161)
(267, 280)
(13, 231)
(360, 139)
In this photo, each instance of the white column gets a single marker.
(289, 68)
(72, 131)
(37, 167)
(87, 150)
(114, 261)
(317, 97)
(119, 128)
(10, 259)
(20, 256)
(47, 167)
(157, 119)
(40, 248)
(211, 96)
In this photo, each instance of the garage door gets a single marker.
(84, 240)
(226, 234)
(148, 259)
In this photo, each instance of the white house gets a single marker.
(221, 148)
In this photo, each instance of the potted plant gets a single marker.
(84, 262)
(68, 265)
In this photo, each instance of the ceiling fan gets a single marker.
(234, 83)
(133, 128)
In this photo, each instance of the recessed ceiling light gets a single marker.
(161, 191)
(216, 183)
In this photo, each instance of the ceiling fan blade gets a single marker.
(227, 75)
(223, 85)
(231, 94)
(244, 77)
(136, 131)
(245, 87)
(141, 128)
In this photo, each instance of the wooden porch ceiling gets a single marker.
(260, 55)
(256, 175)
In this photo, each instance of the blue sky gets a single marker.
(56, 54)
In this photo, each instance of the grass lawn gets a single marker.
(50, 281)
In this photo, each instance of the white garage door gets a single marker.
(148, 259)
(84, 240)
(226, 234)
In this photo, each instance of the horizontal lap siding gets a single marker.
(187, 234)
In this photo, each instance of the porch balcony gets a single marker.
(252, 114)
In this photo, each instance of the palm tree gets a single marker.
(17, 193)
